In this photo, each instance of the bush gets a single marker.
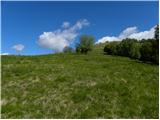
(67, 49)
(85, 45)
(111, 48)
(125, 47)
(150, 51)
(156, 35)
(78, 48)
(155, 48)
(128, 47)
(147, 51)
(135, 51)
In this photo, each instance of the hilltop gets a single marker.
(78, 86)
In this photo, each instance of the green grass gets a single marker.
(78, 86)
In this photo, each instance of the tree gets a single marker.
(85, 45)
(156, 36)
(155, 44)
(124, 48)
(135, 51)
(78, 48)
(128, 47)
(155, 51)
(67, 49)
(111, 48)
(146, 51)
(150, 51)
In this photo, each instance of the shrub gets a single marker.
(85, 45)
(135, 51)
(156, 35)
(146, 51)
(125, 47)
(155, 51)
(78, 48)
(128, 47)
(111, 48)
(156, 46)
(67, 49)
(150, 51)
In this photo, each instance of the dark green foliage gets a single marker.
(125, 47)
(135, 51)
(156, 36)
(128, 47)
(67, 49)
(150, 51)
(145, 50)
(142, 41)
(78, 48)
(150, 48)
(155, 46)
(85, 45)
(111, 48)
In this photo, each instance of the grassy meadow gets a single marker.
(78, 86)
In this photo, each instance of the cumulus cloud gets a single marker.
(143, 35)
(107, 38)
(65, 24)
(127, 32)
(4, 53)
(18, 47)
(130, 32)
(60, 38)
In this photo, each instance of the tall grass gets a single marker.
(78, 86)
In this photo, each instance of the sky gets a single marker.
(33, 28)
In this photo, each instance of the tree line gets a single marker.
(144, 50)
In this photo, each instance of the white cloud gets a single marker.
(4, 53)
(127, 32)
(130, 32)
(18, 47)
(80, 24)
(60, 38)
(143, 35)
(107, 38)
(65, 24)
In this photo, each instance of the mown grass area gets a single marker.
(78, 86)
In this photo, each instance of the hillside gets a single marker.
(78, 86)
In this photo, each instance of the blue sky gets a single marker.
(23, 22)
